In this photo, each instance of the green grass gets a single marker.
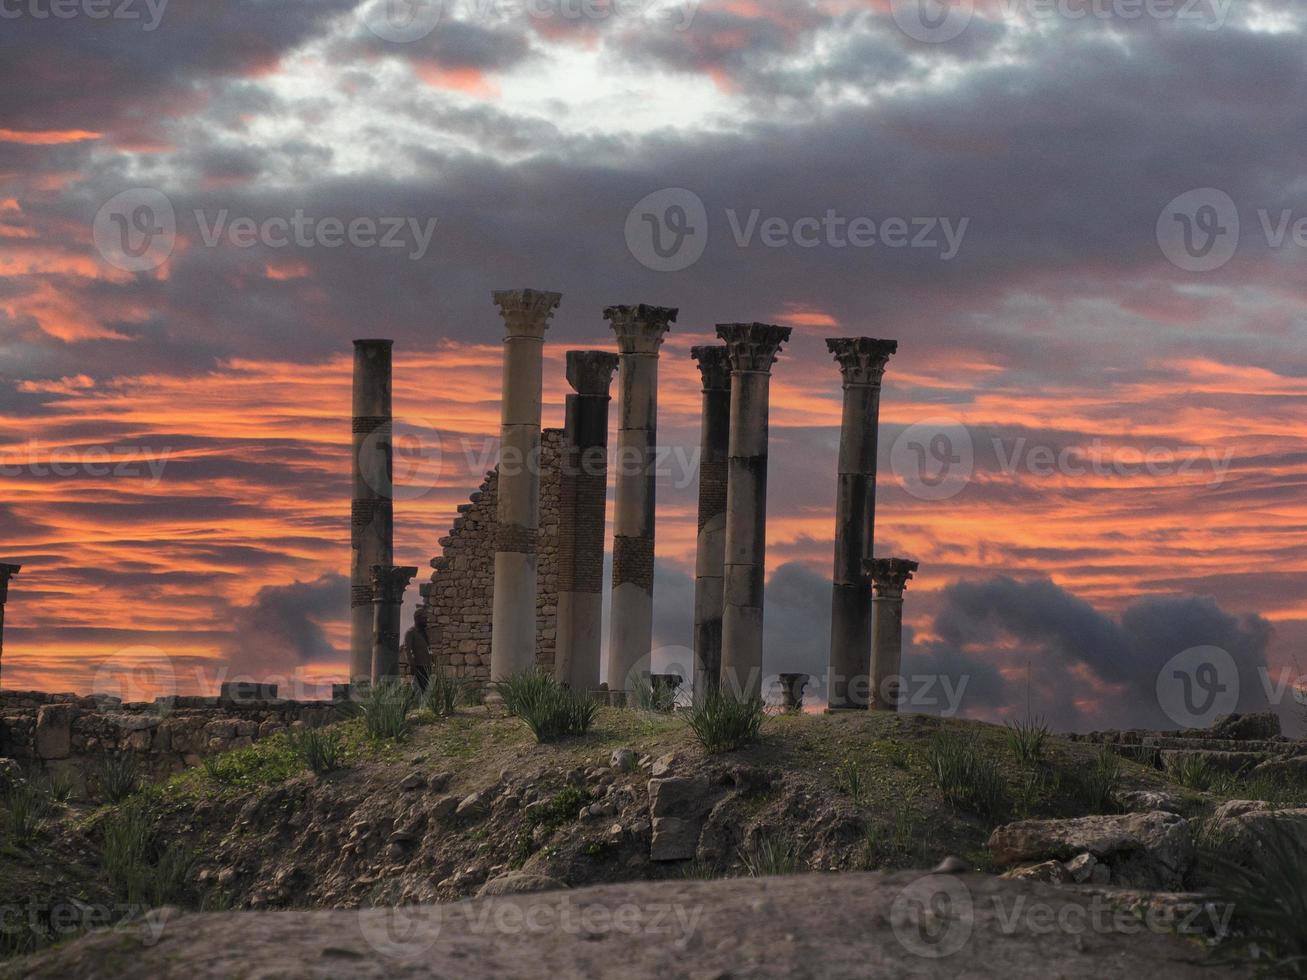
(562, 808)
(59, 786)
(267, 762)
(136, 867)
(551, 711)
(769, 857)
(1093, 786)
(723, 721)
(1026, 739)
(386, 707)
(1269, 901)
(443, 695)
(898, 842)
(321, 749)
(1276, 790)
(25, 812)
(968, 778)
(116, 777)
(1193, 772)
(852, 781)
(650, 695)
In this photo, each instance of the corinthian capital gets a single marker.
(640, 329)
(526, 312)
(753, 347)
(390, 581)
(714, 367)
(862, 360)
(889, 576)
(590, 372)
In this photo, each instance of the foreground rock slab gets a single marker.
(851, 925)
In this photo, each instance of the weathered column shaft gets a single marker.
(890, 577)
(710, 553)
(640, 331)
(583, 493)
(526, 314)
(753, 350)
(372, 513)
(388, 585)
(7, 571)
(862, 363)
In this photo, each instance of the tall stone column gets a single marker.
(6, 573)
(710, 554)
(526, 314)
(890, 577)
(753, 350)
(388, 585)
(583, 492)
(640, 331)
(862, 362)
(372, 519)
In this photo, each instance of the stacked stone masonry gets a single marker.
(72, 735)
(460, 598)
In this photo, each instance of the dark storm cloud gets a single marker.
(283, 627)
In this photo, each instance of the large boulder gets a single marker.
(54, 731)
(1292, 769)
(1259, 725)
(1237, 829)
(1143, 850)
(677, 807)
(519, 883)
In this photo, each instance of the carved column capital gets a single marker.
(390, 581)
(889, 576)
(753, 347)
(6, 573)
(590, 372)
(640, 329)
(862, 360)
(714, 366)
(526, 312)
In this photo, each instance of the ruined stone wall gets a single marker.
(460, 598)
(65, 733)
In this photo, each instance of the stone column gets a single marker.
(710, 555)
(388, 585)
(372, 513)
(753, 350)
(583, 493)
(6, 573)
(890, 577)
(640, 331)
(862, 362)
(526, 314)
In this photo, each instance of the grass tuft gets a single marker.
(967, 778)
(1026, 739)
(137, 869)
(386, 708)
(550, 710)
(852, 781)
(25, 813)
(1193, 772)
(322, 750)
(116, 777)
(768, 858)
(443, 695)
(723, 721)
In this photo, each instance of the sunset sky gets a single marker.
(175, 435)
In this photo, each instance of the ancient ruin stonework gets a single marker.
(460, 598)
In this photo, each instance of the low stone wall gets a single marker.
(71, 735)
(460, 598)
